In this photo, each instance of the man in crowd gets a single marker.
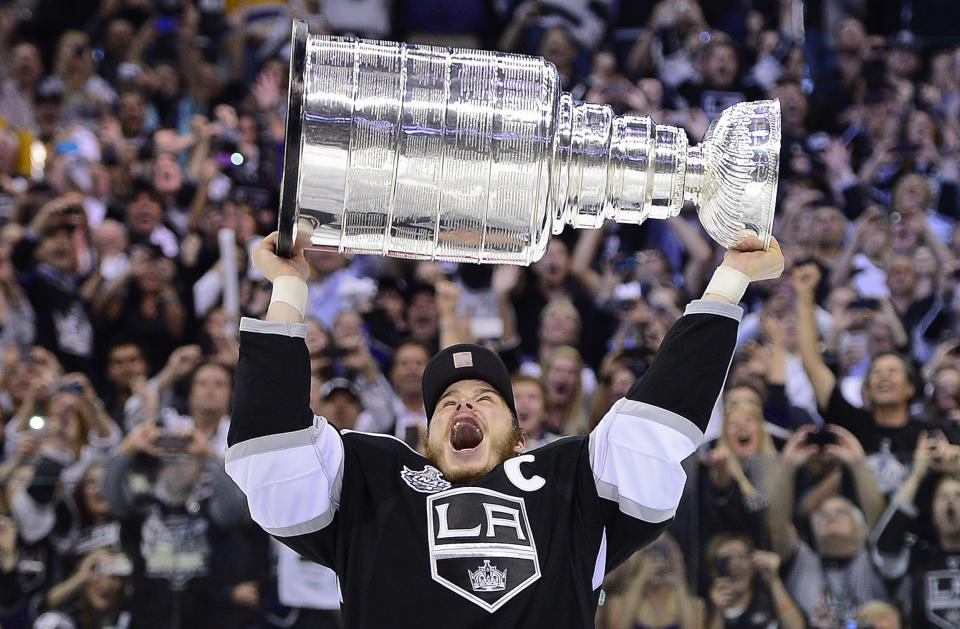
(47, 265)
(530, 397)
(177, 509)
(834, 576)
(406, 375)
(126, 374)
(340, 403)
(208, 405)
(886, 430)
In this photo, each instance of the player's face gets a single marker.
(471, 431)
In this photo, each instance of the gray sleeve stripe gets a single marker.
(592, 447)
(336, 488)
(663, 417)
(910, 510)
(270, 443)
(631, 508)
(280, 328)
(891, 566)
(347, 431)
(712, 306)
(887, 515)
(311, 526)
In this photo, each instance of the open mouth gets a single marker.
(465, 433)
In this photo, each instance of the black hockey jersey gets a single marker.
(527, 545)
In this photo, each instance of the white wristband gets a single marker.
(291, 291)
(729, 283)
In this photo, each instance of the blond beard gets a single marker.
(505, 448)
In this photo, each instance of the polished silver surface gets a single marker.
(471, 156)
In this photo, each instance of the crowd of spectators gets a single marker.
(133, 133)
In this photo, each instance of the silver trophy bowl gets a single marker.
(468, 156)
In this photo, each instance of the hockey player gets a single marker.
(478, 533)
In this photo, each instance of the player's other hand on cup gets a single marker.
(272, 266)
(750, 258)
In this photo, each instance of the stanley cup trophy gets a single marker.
(468, 156)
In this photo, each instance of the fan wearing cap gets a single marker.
(479, 533)
(46, 260)
(340, 402)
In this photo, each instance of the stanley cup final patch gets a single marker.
(429, 480)
(481, 545)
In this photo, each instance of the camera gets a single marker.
(820, 438)
(721, 565)
(225, 146)
(46, 478)
(68, 387)
(172, 443)
(864, 304)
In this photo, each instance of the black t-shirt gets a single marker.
(905, 547)
(889, 450)
(936, 588)
(63, 319)
(900, 441)
(177, 573)
(759, 614)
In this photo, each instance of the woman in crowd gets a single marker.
(93, 597)
(745, 588)
(84, 522)
(650, 591)
(566, 409)
(729, 499)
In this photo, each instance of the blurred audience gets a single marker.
(138, 138)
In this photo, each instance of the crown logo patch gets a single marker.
(488, 578)
(429, 480)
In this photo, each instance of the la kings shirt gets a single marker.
(527, 545)
(936, 589)
(930, 576)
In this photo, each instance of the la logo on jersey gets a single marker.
(481, 546)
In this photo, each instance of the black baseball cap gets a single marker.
(465, 361)
(333, 385)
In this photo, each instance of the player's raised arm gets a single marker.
(636, 450)
(274, 438)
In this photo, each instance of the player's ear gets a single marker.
(518, 449)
